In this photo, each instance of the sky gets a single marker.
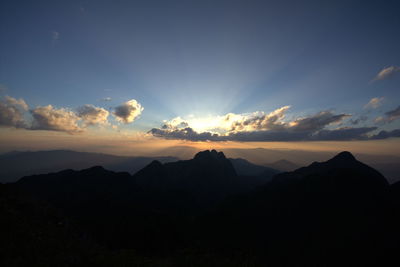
(131, 75)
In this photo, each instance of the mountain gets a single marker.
(320, 215)
(343, 168)
(200, 210)
(283, 165)
(105, 203)
(209, 176)
(15, 165)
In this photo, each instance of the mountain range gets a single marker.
(16, 164)
(203, 211)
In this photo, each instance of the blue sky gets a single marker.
(193, 59)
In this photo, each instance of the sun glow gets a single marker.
(217, 124)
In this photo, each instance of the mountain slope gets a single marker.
(326, 211)
(283, 165)
(246, 168)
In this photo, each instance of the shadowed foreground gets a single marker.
(201, 212)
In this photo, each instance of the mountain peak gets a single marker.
(343, 156)
(207, 155)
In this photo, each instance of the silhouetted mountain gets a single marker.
(15, 165)
(100, 199)
(342, 170)
(201, 211)
(317, 214)
(283, 165)
(209, 177)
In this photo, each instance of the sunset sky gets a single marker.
(121, 76)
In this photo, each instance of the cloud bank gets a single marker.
(261, 127)
(15, 113)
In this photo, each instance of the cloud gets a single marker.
(55, 35)
(186, 134)
(259, 126)
(128, 111)
(12, 112)
(374, 103)
(51, 119)
(317, 121)
(106, 99)
(386, 134)
(343, 134)
(258, 120)
(387, 73)
(175, 123)
(360, 119)
(393, 114)
(92, 115)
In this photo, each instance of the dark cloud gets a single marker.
(393, 114)
(317, 121)
(359, 120)
(343, 134)
(186, 134)
(268, 136)
(386, 134)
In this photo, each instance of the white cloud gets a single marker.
(127, 112)
(374, 103)
(53, 119)
(92, 115)
(12, 112)
(386, 73)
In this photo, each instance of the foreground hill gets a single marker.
(201, 212)
(117, 208)
(322, 215)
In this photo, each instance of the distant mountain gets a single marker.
(283, 165)
(15, 164)
(246, 168)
